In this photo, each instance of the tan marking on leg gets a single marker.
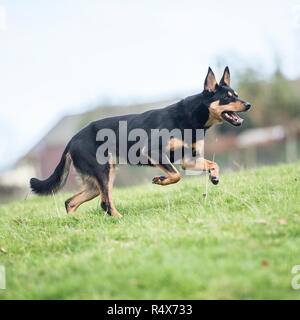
(203, 165)
(87, 192)
(172, 177)
(114, 211)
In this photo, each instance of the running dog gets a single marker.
(218, 102)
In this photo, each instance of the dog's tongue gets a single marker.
(230, 115)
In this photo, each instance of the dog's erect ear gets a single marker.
(225, 81)
(210, 82)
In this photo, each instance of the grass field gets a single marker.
(173, 242)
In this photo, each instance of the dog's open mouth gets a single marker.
(232, 118)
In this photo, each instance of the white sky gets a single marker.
(62, 56)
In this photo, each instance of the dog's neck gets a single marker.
(194, 110)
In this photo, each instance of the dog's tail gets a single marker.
(56, 180)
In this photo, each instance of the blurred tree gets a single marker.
(282, 105)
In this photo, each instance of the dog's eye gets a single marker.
(229, 94)
(225, 100)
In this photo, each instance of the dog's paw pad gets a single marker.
(157, 180)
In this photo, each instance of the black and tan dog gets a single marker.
(217, 102)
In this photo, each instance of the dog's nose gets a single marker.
(247, 105)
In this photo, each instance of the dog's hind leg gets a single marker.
(104, 178)
(88, 191)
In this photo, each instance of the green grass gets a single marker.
(173, 243)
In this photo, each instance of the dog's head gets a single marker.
(223, 101)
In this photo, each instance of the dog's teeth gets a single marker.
(232, 117)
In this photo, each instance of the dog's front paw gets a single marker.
(214, 174)
(158, 180)
(214, 179)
